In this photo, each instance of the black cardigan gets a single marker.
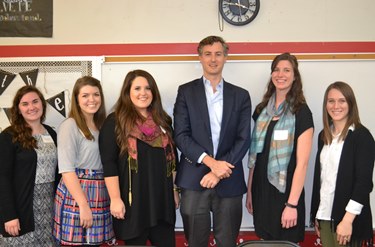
(354, 181)
(17, 179)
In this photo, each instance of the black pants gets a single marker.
(196, 208)
(161, 235)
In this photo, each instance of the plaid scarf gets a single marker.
(281, 148)
(153, 135)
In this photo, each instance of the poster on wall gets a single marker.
(26, 18)
(55, 79)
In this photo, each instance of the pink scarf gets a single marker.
(153, 135)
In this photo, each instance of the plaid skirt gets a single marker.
(67, 229)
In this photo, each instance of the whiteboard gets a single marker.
(253, 76)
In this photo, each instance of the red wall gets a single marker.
(182, 48)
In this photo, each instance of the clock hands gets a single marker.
(238, 4)
(239, 8)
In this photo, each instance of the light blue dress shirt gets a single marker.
(215, 111)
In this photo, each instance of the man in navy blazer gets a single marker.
(212, 131)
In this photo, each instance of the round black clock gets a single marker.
(239, 12)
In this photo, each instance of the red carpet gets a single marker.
(311, 239)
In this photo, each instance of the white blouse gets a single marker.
(329, 163)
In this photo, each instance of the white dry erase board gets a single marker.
(253, 76)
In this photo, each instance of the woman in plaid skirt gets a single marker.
(82, 215)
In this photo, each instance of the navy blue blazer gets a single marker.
(192, 134)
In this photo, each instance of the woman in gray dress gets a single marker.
(27, 173)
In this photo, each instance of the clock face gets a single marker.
(239, 12)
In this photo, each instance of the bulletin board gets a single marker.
(54, 77)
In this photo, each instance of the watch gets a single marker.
(239, 12)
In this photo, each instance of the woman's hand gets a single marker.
(316, 226)
(12, 227)
(176, 195)
(73, 185)
(344, 232)
(249, 203)
(249, 199)
(118, 208)
(85, 216)
(289, 217)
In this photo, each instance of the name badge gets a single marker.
(47, 139)
(280, 135)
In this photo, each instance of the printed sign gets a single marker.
(26, 18)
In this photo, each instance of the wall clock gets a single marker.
(239, 12)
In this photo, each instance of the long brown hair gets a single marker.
(76, 112)
(127, 115)
(21, 130)
(353, 113)
(295, 95)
